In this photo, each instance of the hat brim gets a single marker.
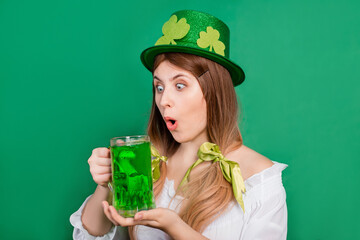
(148, 55)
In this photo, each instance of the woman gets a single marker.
(201, 193)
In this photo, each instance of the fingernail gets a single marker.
(139, 216)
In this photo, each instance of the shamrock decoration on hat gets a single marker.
(211, 38)
(173, 30)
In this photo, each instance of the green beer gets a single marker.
(132, 178)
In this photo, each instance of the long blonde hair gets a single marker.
(207, 193)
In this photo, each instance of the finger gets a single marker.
(108, 215)
(150, 223)
(118, 141)
(102, 178)
(105, 205)
(100, 169)
(103, 161)
(124, 222)
(152, 214)
(144, 218)
(139, 216)
(102, 152)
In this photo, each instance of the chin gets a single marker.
(181, 138)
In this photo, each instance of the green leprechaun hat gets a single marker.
(197, 33)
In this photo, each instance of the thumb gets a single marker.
(152, 214)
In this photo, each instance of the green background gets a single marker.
(71, 78)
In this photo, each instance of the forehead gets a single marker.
(169, 70)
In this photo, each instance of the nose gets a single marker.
(166, 99)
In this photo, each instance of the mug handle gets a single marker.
(109, 183)
(110, 197)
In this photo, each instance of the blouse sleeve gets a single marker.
(80, 233)
(267, 215)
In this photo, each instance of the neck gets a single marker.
(187, 151)
(183, 158)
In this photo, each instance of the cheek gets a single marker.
(203, 112)
(199, 111)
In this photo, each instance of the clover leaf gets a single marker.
(172, 30)
(211, 38)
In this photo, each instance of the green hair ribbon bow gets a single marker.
(155, 163)
(230, 169)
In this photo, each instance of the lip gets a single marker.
(171, 126)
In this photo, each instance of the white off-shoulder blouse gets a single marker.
(265, 214)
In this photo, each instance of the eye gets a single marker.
(180, 86)
(159, 88)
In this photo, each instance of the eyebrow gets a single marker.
(176, 76)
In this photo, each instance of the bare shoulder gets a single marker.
(250, 161)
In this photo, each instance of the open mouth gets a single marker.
(171, 123)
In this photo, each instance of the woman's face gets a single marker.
(181, 102)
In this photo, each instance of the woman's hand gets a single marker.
(162, 218)
(100, 166)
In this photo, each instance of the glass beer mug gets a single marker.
(132, 185)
